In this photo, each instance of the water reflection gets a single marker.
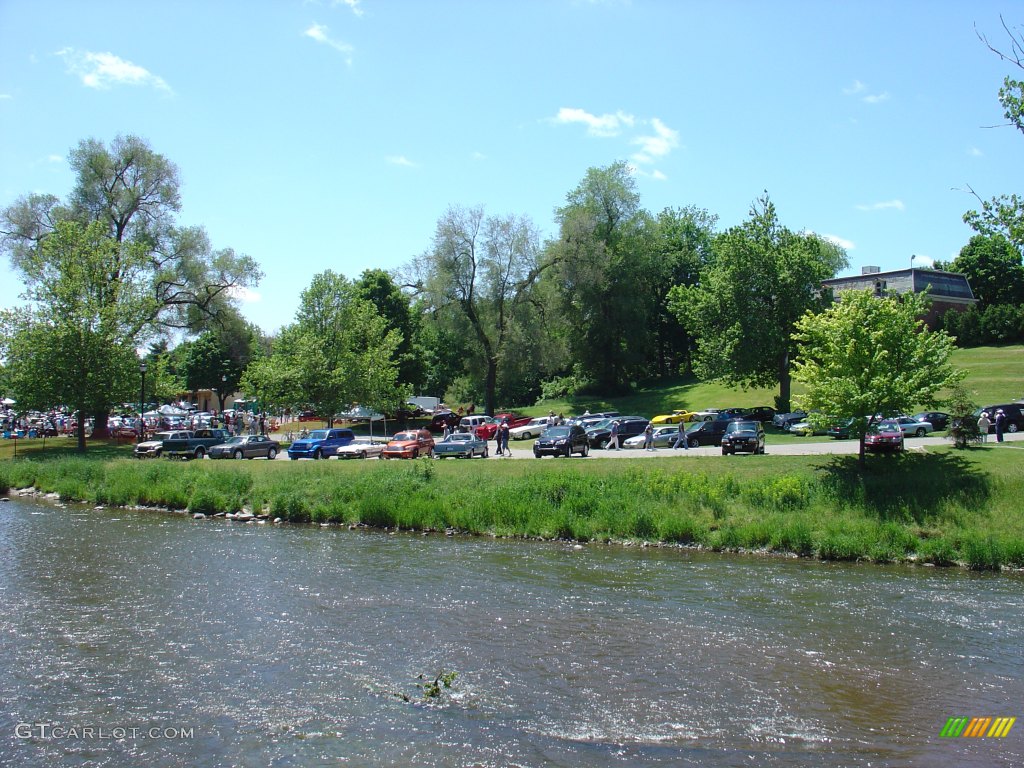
(295, 646)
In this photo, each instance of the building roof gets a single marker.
(950, 287)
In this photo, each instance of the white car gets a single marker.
(361, 448)
(534, 429)
(664, 437)
(911, 428)
(708, 414)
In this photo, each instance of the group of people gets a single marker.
(985, 421)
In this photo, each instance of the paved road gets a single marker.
(810, 447)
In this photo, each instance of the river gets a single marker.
(141, 638)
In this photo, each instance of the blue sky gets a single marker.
(317, 135)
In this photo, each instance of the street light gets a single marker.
(142, 402)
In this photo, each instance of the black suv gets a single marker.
(1012, 411)
(706, 433)
(562, 441)
(743, 436)
(629, 426)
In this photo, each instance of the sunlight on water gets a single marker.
(292, 646)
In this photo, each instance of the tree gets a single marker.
(1004, 215)
(742, 313)
(994, 269)
(482, 268)
(866, 357)
(132, 194)
(378, 287)
(600, 255)
(338, 353)
(72, 346)
(218, 357)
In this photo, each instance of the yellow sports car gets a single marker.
(674, 418)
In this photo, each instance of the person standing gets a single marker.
(503, 439)
(983, 425)
(614, 439)
(1000, 424)
(649, 437)
(681, 437)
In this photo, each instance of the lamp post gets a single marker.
(142, 402)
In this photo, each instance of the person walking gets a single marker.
(1000, 424)
(983, 425)
(649, 437)
(614, 439)
(681, 437)
(503, 439)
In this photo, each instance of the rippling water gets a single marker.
(296, 646)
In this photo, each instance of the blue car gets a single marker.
(320, 444)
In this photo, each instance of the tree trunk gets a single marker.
(861, 454)
(785, 384)
(491, 387)
(99, 425)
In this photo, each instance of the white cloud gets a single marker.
(975, 152)
(4, 96)
(842, 242)
(603, 126)
(660, 144)
(478, 156)
(353, 6)
(896, 205)
(319, 32)
(854, 89)
(104, 70)
(401, 160)
(859, 89)
(917, 260)
(54, 159)
(876, 98)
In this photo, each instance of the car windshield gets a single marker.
(458, 437)
(162, 436)
(557, 432)
(888, 428)
(602, 424)
(405, 436)
(235, 440)
(318, 434)
(741, 426)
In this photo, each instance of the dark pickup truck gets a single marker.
(195, 447)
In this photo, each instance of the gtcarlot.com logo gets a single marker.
(52, 731)
(977, 727)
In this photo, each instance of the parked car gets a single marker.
(155, 446)
(708, 414)
(706, 433)
(743, 437)
(1012, 411)
(562, 441)
(533, 428)
(841, 429)
(470, 423)
(409, 445)
(486, 429)
(664, 436)
(360, 448)
(461, 444)
(441, 419)
(629, 426)
(514, 419)
(245, 447)
(806, 428)
(783, 420)
(195, 445)
(672, 418)
(320, 444)
(760, 413)
(731, 413)
(885, 437)
(937, 419)
(909, 426)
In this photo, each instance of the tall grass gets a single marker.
(943, 508)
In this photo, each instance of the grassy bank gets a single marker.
(945, 507)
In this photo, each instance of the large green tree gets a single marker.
(866, 357)
(763, 278)
(216, 359)
(1004, 214)
(483, 269)
(339, 352)
(994, 269)
(72, 345)
(132, 194)
(601, 254)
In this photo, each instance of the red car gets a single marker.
(487, 430)
(886, 437)
(410, 444)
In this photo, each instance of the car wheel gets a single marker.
(1012, 427)
(157, 452)
(725, 452)
(921, 432)
(586, 450)
(603, 444)
(272, 454)
(415, 454)
(568, 451)
(200, 453)
(709, 418)
(236, 455)
(693, 443)
(317, 455)
(485, 453)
